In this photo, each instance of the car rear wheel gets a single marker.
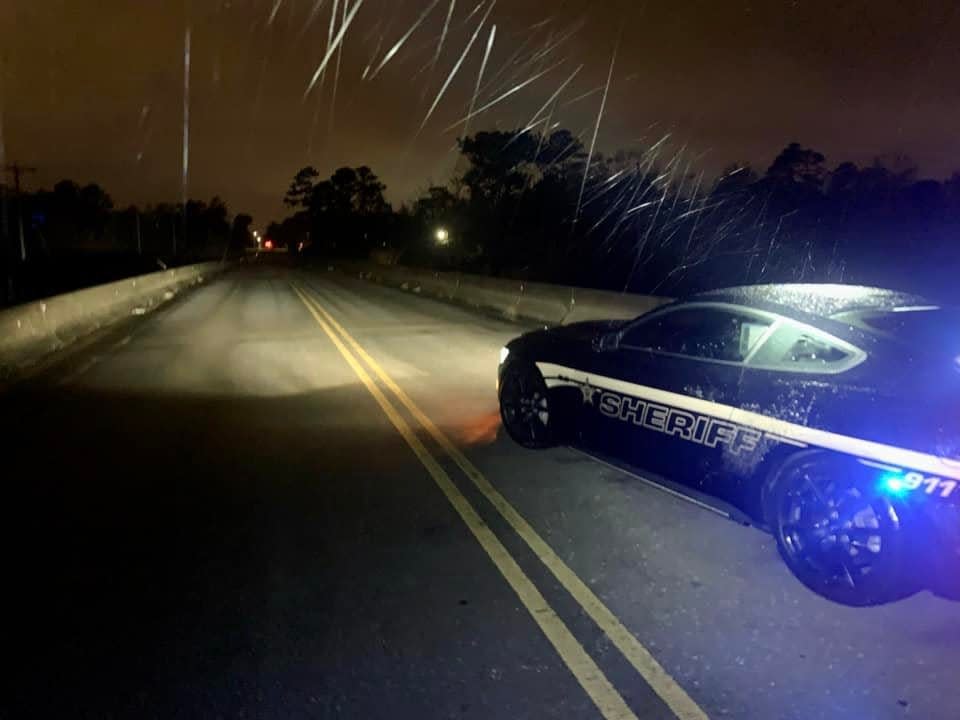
(840, 537)
(525, 406)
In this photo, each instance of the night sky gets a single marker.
(94, 90)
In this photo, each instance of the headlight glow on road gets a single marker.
(504, 352)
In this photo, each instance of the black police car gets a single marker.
(828, 413)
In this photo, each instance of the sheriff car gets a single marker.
(829, 414)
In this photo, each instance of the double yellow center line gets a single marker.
(608, 701)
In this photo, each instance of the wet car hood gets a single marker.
(575, 332)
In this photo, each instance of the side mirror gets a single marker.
(606, 342)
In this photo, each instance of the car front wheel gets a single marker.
(839, 536)
(525, 406)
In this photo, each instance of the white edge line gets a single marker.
(80, 370)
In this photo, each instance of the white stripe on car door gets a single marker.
(555, 375)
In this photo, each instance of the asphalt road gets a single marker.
(269, 502)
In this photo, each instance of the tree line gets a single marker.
(536, 206)
(74, 235)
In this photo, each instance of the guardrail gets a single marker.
(512, 299)
(32, 331)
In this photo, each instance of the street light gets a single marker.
(442, 236)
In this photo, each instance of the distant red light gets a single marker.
(268, 244)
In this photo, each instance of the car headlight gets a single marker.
(504, 352)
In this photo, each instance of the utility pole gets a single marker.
(6, 257)
(18, 171)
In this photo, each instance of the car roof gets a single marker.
(820, 299)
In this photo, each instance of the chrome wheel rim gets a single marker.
(834, 530)
(526, 407)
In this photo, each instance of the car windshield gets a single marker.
(480, 359)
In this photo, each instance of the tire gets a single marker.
(836, 533)
(525, 406)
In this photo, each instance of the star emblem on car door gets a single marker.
(588, 392)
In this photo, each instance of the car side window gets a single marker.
(700, 332)
(800, 348)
